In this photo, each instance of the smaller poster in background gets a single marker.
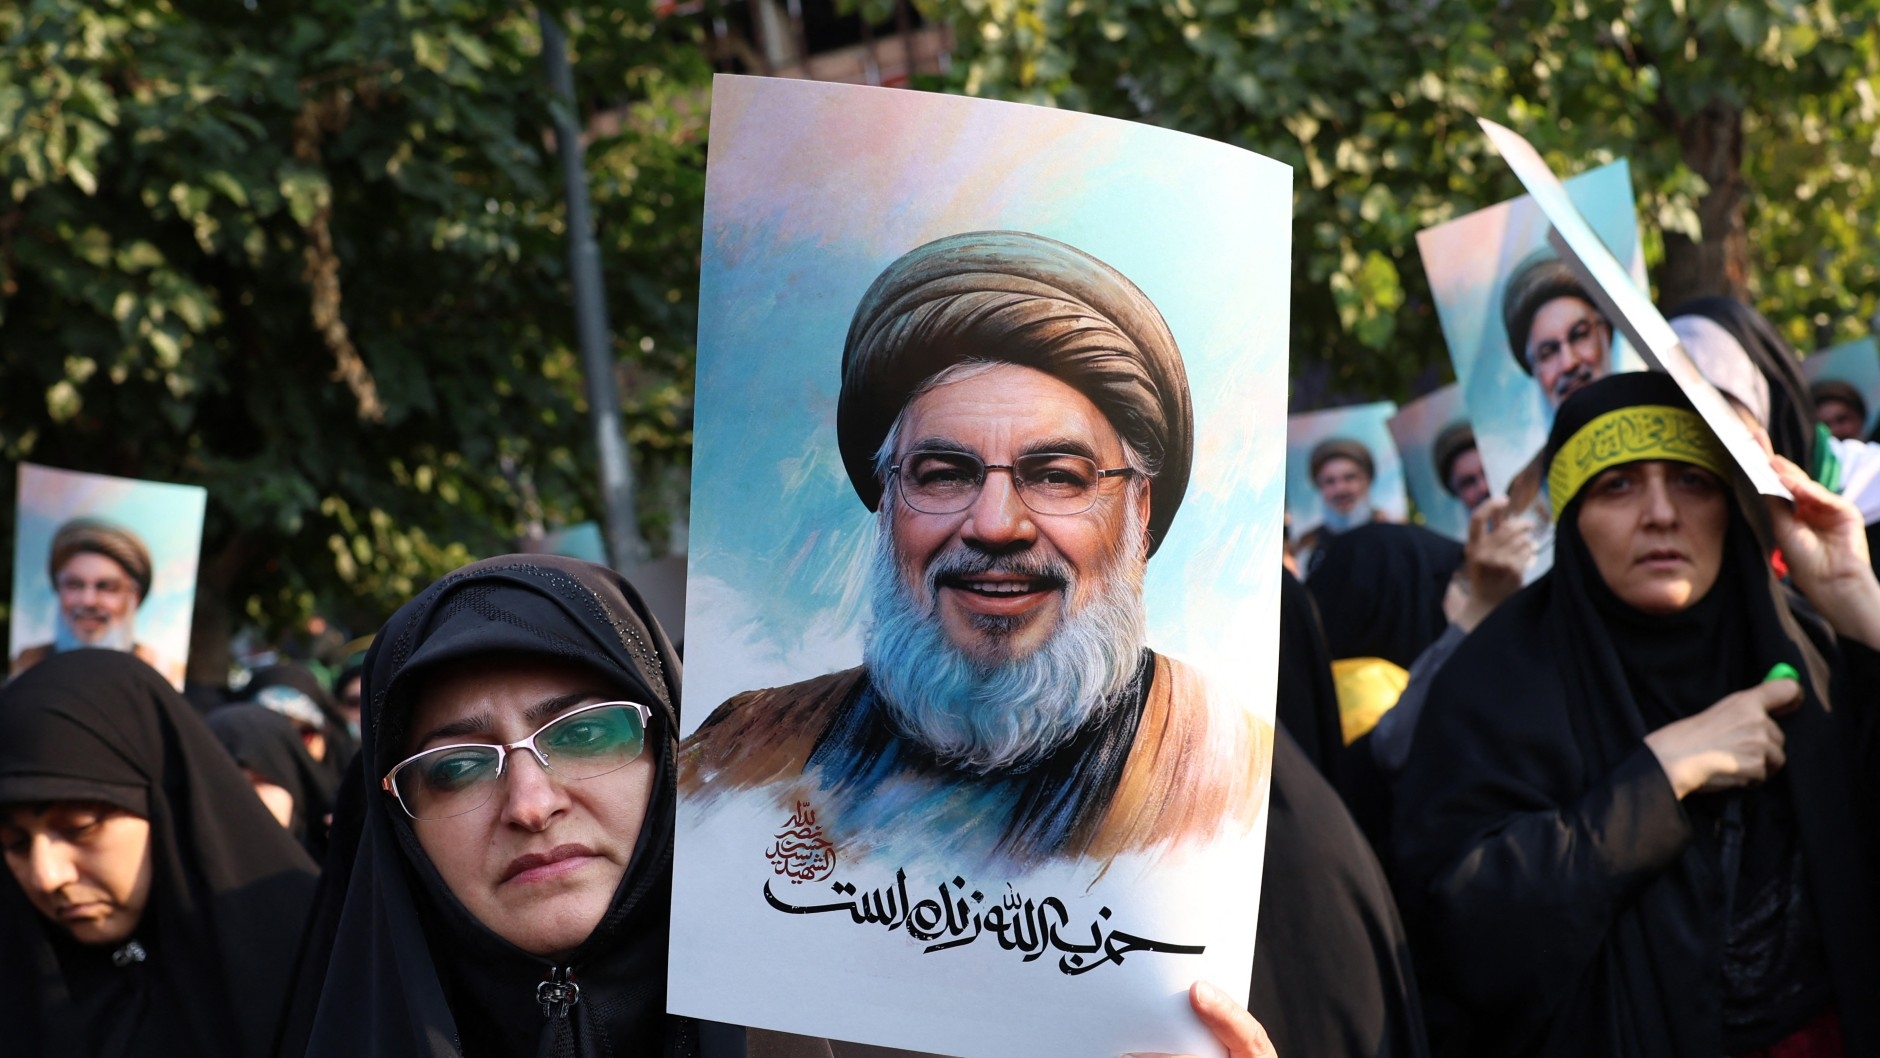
(1850, 370)
(1342, 470)
(1499, 283)
(1441, 467)
(1623, 299)
(104, 562)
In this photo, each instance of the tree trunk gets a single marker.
(212, 627)
(1712, 144)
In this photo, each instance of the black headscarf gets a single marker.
(229, 889)
(268, 744)
(340, 744)
(1380, 590)
(1555, 884)
(1791, 422)
(395, 965)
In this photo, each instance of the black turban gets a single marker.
(1535, 282)
(1455, 439)
(1341, 448)
(100, 537)
(1835, 389)
(1017, 298)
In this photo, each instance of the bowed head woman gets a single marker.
(151, 905)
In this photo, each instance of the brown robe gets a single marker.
(1193, 772)
(171, 670)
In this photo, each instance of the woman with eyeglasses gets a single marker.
(500, 880)
(501, 871)
(151, 906)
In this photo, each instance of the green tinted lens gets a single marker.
(448, 781)
(594, 741)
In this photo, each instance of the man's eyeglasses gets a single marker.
(587, 743)
(1053, 483)
(110, 587)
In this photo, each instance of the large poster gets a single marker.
(104, 562)
(1441, 466)
(982, 598)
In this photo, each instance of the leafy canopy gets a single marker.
(311, 254)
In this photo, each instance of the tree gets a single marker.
(312, 257)
(1734, 115)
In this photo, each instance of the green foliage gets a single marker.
(311, 254)
(1372, 103)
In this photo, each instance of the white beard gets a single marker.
(1359, 514)
(117, 635)
(1012, 712)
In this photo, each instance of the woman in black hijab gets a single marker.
(268, 748)
(408, 953)
(1619, 833)
(417, 947)
(1791, 412)
(152, 906)
(1380, 591)
(291, 689)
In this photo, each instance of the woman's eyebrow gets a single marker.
(541, 711)
(478, 724)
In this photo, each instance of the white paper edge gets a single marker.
(1627, 306)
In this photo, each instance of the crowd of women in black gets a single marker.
(1631, 814)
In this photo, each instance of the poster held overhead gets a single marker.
(1628, 307)
(1523, 334)
(985, 528)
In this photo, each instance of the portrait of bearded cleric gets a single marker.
(1524, 334)
(1016, 415)
(101, 573)
(103, 563)
(1556, 333)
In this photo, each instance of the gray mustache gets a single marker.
(1572, 380)
(964, 562)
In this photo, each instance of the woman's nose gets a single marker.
(532, 795)
(52, 867)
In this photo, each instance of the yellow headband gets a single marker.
(1629, 435)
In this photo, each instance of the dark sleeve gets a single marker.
(1857, 701)
(1331, 966)
(1390, 739)
(1307, 702)
(1504, 852)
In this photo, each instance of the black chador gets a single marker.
(1558, 890)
